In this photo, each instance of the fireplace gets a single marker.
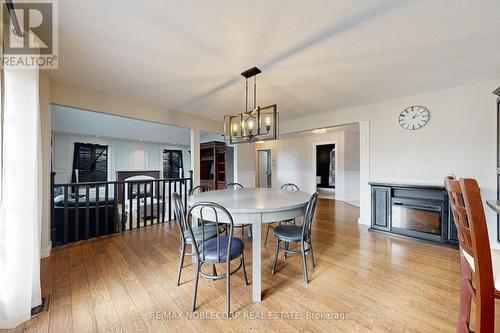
(418, 211)
(417, 218)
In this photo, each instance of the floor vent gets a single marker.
(42, 308)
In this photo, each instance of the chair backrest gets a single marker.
(232, 186)
(308, 217)
(199, 189)
(468, 214)
(180, 215)
(212, 215)
(290, 187)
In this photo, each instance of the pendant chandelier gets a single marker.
(257, 124)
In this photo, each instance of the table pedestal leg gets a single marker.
(256, 261)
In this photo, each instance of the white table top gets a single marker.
(254, 200)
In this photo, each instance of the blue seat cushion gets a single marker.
(288, 232)
(208, 251)
(210, 231)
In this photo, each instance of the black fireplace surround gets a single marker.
(417, 211)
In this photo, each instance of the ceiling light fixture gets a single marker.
(258, 124)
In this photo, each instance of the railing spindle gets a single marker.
(157, 187)
(115, 206)
(145, 208)
(65, 222)
(106, 205)
(164, 183)
(151, 218)
(130, 208)
(185, 193)
(124, 217)
(87, 212)
(138, 205)
(96, 211)
(169, 200)
(77, 214)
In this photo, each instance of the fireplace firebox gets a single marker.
(418, 211)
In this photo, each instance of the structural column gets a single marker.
(195, 155)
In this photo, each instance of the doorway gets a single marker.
(264, 168)
(325, 170)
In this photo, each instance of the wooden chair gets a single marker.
(477, 260)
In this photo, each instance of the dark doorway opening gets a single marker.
(325, 166)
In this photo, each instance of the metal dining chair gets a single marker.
(217, 250)
(186, 236)
(291, 233)
(199, 189)
(233, 186)
(289, 187)
(237, 186)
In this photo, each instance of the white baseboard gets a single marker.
(364, 221)
(46, 252)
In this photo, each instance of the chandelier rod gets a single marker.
(246, 95)
(254, 91)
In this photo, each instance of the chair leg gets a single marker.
(276, 255)
(196, 279)
(465, 296)
(243, 233)
(267, 233)
(306, 277)
(244, 269)
(286, 249)
(228, 288)
(214, 270)
(312, 256)
(181, 263)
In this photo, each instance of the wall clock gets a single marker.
(414, 117)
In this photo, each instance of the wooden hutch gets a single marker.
(216, 164)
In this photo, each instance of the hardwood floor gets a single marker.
(363, 281)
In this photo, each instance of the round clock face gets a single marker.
(414, 117)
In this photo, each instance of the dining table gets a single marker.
(255, 206)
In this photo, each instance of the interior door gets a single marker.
(264, 162)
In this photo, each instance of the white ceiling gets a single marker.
(75, 121)
(341, 128)
(316, 56)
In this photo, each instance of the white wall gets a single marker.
(244, 161)
(123, 155)
(460, 138)
(351, 169)
(294, 161)
(45, 133)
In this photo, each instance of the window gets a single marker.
(90, 163)
(172, 164)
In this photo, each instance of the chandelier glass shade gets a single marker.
(258, 124)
